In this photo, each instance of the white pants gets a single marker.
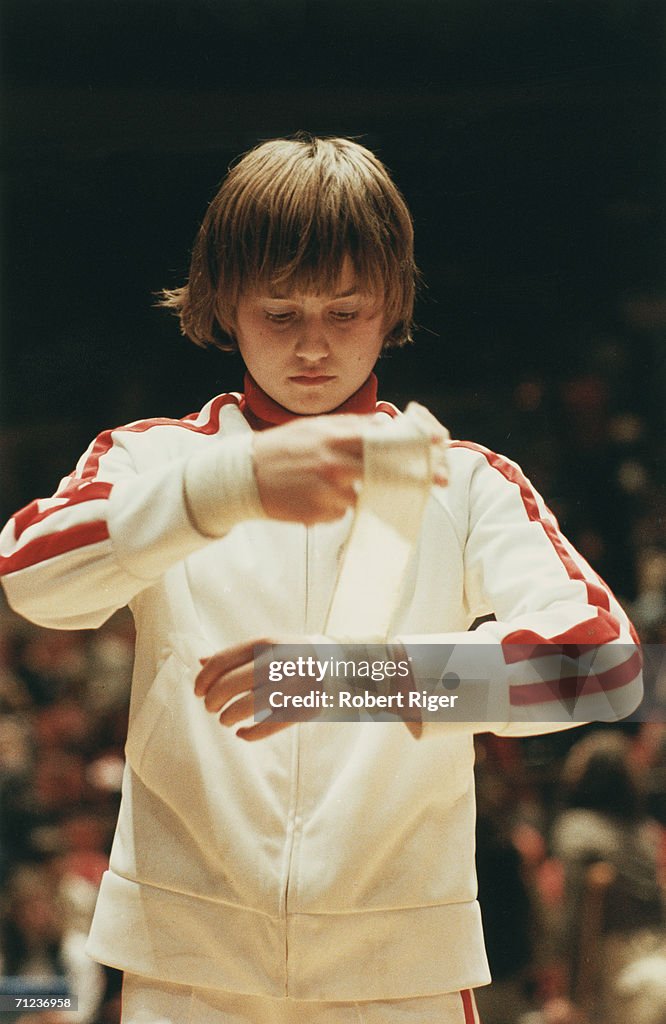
(146, 1001)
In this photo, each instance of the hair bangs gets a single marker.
(303, 226)
(319, 268)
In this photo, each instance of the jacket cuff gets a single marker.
(468, 664)
(220, 487)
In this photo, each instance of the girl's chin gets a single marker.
(310, 399)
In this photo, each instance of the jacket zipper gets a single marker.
(306, 601)
(295, 792)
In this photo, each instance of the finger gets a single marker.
(241, 682)
(255, 703)
(247, 704)
(332, 505)
(221, 663)
(347, 495)
(229, 686)
(262, 730)
(237, 710)
(224, 661)
(340, 497)
(350, 444)
(269, 726)
(439, 463)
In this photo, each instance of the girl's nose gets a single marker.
(312, 343)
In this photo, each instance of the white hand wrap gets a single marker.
(220, 486)
(398, 461)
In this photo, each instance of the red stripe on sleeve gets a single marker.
(573, 687)
(104, 442)
(538, 648)
(603, 627)
(53, 544)
(84, 487)
(29, 515)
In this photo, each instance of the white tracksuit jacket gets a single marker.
(332, 861)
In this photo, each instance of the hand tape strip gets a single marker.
(397, 477)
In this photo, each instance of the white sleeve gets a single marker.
(110, 531)
(561, 651)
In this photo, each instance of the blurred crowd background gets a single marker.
(528, 138)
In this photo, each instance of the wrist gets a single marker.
(220, 487)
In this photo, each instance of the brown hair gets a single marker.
(287, 214)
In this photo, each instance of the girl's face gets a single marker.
(311, 352)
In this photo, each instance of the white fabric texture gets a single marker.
(146, 1001)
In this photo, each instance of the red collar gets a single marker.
(261, 411)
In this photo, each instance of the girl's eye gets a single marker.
(343, 314)
(278, 318)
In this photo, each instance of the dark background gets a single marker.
(527, 137)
